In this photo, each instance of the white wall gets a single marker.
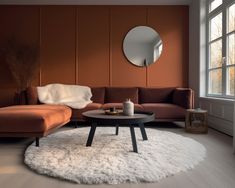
(220, 111)
(220, 114)
(194, 48)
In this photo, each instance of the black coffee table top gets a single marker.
(99, 116)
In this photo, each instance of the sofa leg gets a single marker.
(37, 141)
(76, 124)
(117, 127)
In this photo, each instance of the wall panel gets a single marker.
(58, 44)
(22, 24)
(93, 45)
(122, 20)
(220, 114)
(171, 22)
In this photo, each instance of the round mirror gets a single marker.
(142, 46)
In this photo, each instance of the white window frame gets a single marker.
(222, 8)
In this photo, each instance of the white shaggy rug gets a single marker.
(110, 158)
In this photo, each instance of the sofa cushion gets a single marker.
(77, 113)
(165, 111)
(33, 118)
(120, 94)
(106, 106)
(155, 95)
(98, 94)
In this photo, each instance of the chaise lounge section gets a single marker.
(32, 120)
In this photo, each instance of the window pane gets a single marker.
(230, 80)
(215, 54)
(214, 4)
(215, 81)
(231, 18)
(216, 27)
(231, 49)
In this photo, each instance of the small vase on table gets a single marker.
(128, 108)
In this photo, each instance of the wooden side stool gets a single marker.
(196, 121)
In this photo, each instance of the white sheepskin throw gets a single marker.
(110, 159)
(74, 96)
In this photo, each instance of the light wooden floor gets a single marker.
(216, 171)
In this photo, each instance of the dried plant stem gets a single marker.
(22, 61)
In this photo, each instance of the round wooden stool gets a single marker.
(196, 121)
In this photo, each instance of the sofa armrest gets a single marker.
(184, 97)
(32, 95)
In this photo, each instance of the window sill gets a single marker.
(218, 100)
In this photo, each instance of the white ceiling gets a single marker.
(96, 2)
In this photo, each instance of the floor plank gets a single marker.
(216, 171)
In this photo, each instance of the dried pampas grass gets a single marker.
(22, 60)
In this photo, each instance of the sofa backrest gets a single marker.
(180, 96)
(120, 94)
(155, 95)
(98, 94)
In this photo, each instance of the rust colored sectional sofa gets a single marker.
(168, 104)
(34, 120)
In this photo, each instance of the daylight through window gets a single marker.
(221, 48)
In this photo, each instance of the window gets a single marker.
(221, 48)
(214, 4)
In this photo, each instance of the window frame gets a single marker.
(223, 8)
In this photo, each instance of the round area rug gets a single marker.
(110, 158)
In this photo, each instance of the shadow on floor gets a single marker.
(14, 140)
(150, 125)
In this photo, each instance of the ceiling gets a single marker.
(96, 2)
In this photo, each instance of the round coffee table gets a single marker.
(99, 118)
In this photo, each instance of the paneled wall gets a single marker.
(93, 46)
(23, 23)
(58, 44)
(220, 114)
(83, 44)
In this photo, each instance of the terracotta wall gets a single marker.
(83, 44)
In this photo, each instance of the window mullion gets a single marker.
(230, 33)
(215, 40)
(215, 68)
(224, 51)
(207, 47)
